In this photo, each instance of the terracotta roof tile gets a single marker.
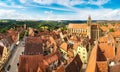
(51, 58)
(100, 55)
(102, 66)
(64, 46)
(104, 28)
(82, 26)
(60, 69)
(33, 46)
(91, 67)
(115, 34)
(117, 57)
(75, 46)
(29, 63)
(108, 50)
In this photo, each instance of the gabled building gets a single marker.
(75, 65)
(64, 50)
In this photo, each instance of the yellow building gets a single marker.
(82, 52)
(3, 55)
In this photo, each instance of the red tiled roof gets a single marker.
(82, 26)
(60, 69)
(33, 46)
(51, 58)
(108, 50)
(104, 28)
(29, 63)
(117, 57)
(91, 67)
(75, 46)
(64, 46)
(102, 66)
(115, 34)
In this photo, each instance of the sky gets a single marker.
(60, 9)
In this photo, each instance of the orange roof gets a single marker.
(91, 67)
(60, 69)
(75, 46)
(102, 66)
(108, 50)
(110, 26)
(117, 57)
(77, 26)
(29, 63)
(64, 46)
(51, 58)
(70, 53)
(103, 39)
(73, 38)
(104, 28)
(107, 39)
(115, 34)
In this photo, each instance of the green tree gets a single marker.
(111, 30)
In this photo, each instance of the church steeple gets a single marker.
(89, 21)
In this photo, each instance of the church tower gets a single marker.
(89, 27)
(89, 21)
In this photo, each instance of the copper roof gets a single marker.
(75, 65)
(78, 26)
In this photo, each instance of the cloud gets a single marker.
(71, 2)
(22, 1)
(12, 5)
(98, 2)
(12, 14)
(98, 14)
